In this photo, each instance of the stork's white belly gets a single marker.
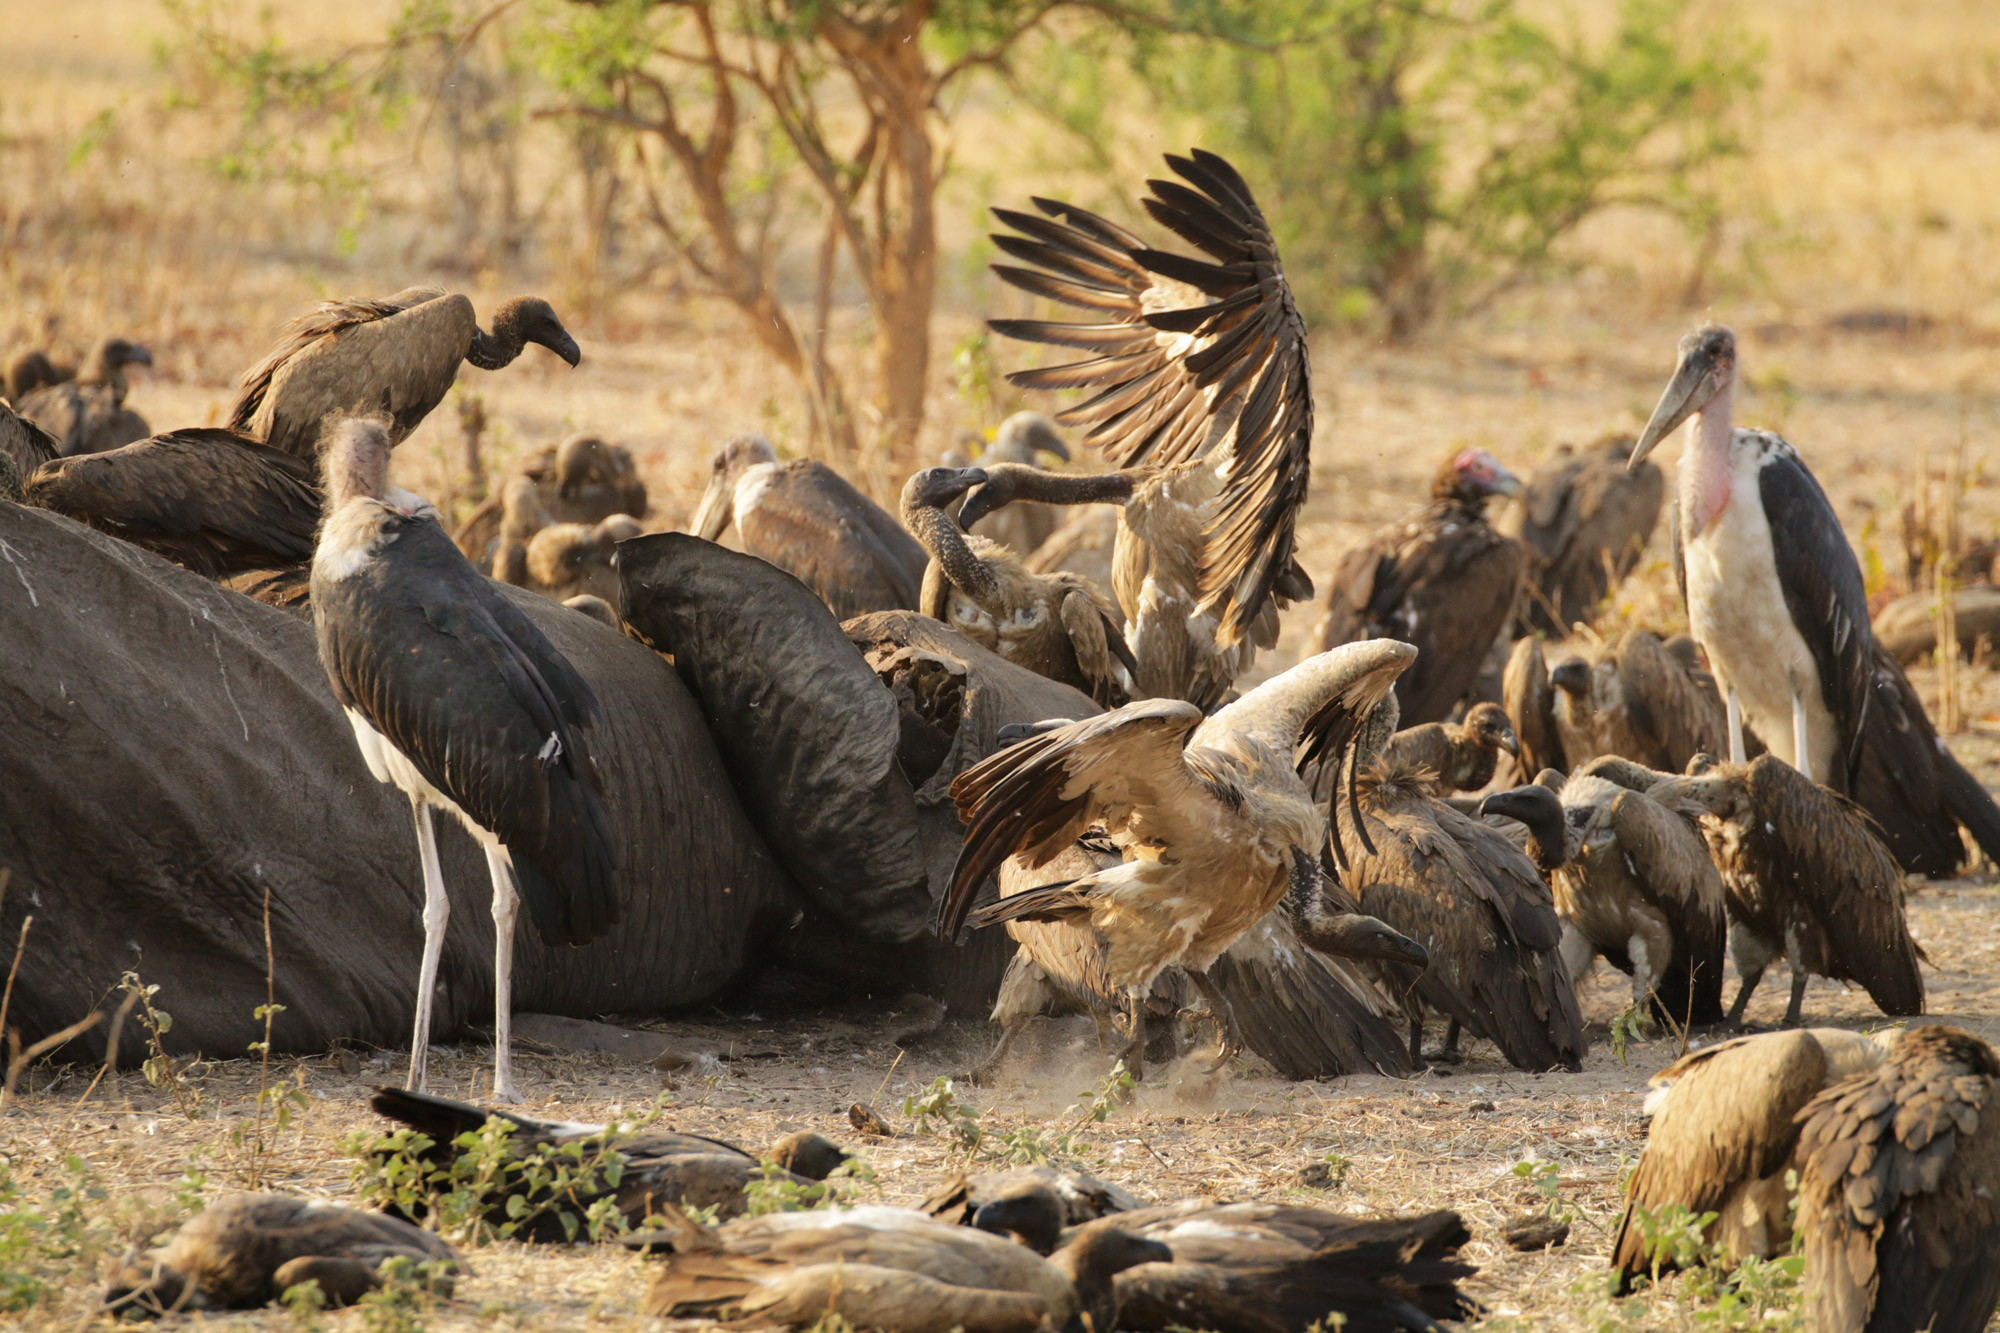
(1737, 613)
(391, 766)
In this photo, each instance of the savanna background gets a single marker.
(1498, 214)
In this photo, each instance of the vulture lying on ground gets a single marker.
(806, 519)
(1202, 388)
(1056, 625)
(1899, 1191)
(397, 355)
(1022, 528)
(87, 415)
(1585, 518)
(1462, 754)
(1076, 1197)
(1209, 812)
(1807, 878)
(1633, 883)
(245, 1250)
(1722, 1139)
(1634, 697)
(1443, 580)
(582, 480)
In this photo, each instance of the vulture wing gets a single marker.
(1673, 865)
(1530, 705)
(215, 501)
(1587, 520)
(1672, 711)
(1195, 357)
(1309, 1015)
(26, 443)
(496, 723)
(1038, 796)
(811, 523)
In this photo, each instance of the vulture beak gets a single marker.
(1510, 742)
(1507, 484)
(136, 355)
(1687, 393)
(565, 347)
(717, 507)
(1352, 935)
(1571, 676)
(982, 500)
(1048, 442)
(1535, 807)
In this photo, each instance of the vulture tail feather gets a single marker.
(1970, 804)
(1045, 902)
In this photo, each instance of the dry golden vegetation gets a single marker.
(1857, 259)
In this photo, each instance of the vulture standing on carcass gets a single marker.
(398, 355)
(1724, 1124)
(1462, 754)
(1634, 697)
(1585, 518)
(246, 1250)
(1086, 545)
(460, 701)
(1633, 883)
(1442, 579)
(27, 445)
(1899, 1191)
(87, 415)
(806, 519)
(1209, 812)
(1021, 528)
(1806, 878)
(1775, 599)
(570, 559)
(1203, 394)
(1469, 896)
(584, 479)
(1053, 624)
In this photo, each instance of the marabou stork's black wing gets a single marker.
(213, 500)
(1193, 356)
(434, 657)
(812, 523)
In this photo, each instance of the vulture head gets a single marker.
(936, 487)
(596, 608)
(583, 459)
(1093, 1260)
(530, 319)
(563, 553)
(1353, 935)
(1721, 790)
(1538, 809)
(111, 355)
(1027, 1212)
(1489, 727)
(732, 462)
(1026, 434)
(1707, 366)
(1471, 477)
(28, 371)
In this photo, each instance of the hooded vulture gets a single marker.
(1462, 754)
(806, 519)
(1056, 625)
(1775, 599)
(1470, 897)
(1585, 519)
(1022, 528)
(87, 415)
(1899, 1191)
(1633, 883)
(1209, 813)
(245, 1250)
(398, 355)
(1635, 697)
(879, 1267)
(571, 559)
(1202, 389)
(1722, 1138)
(1806, 878)
(1442, 579)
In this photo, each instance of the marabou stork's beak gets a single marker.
(717, 507)
(1687, 393)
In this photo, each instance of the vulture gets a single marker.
(1470, 897)
(1585, 518)
(1201, 386)
(31, 369)
(1051, 1200)
(1462, 754)
(1722, 1137)
(1209, 813)
(26, 445)
(458, 700)
(570, 559)
(1442, 579)
(582, 480)
(1084, 546)
(806, 519)
(522, 515)
(881, 1267)
(660, 1166)
(1806, 877)
(246, 1250)
(1899, 1191)
(216, 501)
(1022, 528)
(1784, 623)
(397, 355)
(1633, 883)
(88, 415)
(1053, 624)
(1634, 697)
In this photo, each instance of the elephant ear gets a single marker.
(806, 730)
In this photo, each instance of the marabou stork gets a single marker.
(456, 698)
(1784, 622)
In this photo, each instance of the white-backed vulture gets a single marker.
(216, 501)
(1585, 519)
(1208, 812)
(806, 519)
(1462, 754)
(1807, 878)
(1053, 624)
(1633, 883)
(1776, 600)
(1635, 697)
(1899, 1191)
(397, 355)
(1083, 545)
(245, 1250)
(1031, 1203)
(26, 445)
(585, 479)
(1723, 1132)
(1442, 579)
(885, 1267)
(1202, 383)
(568, 559)
(88, 415)
(1021, 528)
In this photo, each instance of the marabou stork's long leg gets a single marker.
(1801, 748)
(506, 907)
(1738, 753)
(437, 911)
